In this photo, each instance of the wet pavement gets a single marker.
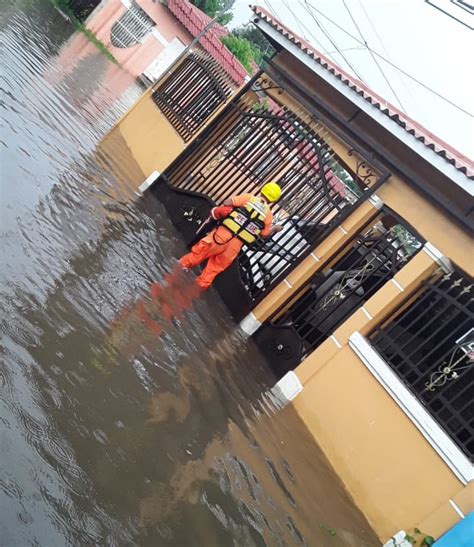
(115, 430)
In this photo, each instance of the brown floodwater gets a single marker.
(113, 432)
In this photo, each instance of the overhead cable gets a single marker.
(304, 28)
(374, 28)
(434, 92)
(328, 36)
(373, 57)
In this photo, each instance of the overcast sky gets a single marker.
(418, 38)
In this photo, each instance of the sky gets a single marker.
(416, 37)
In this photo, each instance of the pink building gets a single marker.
(146, 36)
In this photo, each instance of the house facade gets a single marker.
(147, 36)
(362, 304)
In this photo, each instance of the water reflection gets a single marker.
(122, 421)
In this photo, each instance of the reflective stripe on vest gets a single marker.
(247, 222)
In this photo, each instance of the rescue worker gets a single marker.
(242, 219)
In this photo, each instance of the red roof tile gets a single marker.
(443, 149)
(194, 21)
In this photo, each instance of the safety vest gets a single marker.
(248, 221)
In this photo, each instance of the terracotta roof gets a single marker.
(194, 21)
(443, 149)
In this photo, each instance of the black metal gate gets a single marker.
(326, 300)
(192, 92)
(255, 141)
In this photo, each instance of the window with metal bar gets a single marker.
(429, 342)
(131, 28)
(192, 93)
(327, 299)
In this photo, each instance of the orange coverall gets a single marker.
(219, 247)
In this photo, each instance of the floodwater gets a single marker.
(112, 433)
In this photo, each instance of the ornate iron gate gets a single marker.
(256, 141)
(327, 299)
(194, 90)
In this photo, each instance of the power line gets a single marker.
(300, 25)
(373, 56)
(355, 48)
(393, 64)
(270, 8)
(374, 28)
(329, 38)
(303, 27)
(402, 80)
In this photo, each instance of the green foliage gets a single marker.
(261, 46)
(241, 48)
(418, 538)
(345, 177)
(218, 9)
(328, 529)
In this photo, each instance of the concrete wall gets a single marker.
(151, 139)
(137, 58)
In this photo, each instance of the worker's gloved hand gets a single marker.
(277, 228)
(221, 212)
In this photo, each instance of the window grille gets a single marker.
(429, 343)
(131, 28)
(326, 300)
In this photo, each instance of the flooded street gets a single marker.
(112, 433)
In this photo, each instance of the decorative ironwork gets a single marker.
(192, 93)
(131, 28)
(365, 175)
(430, 345)
(327, 299)
(256, 140)
(264, 84)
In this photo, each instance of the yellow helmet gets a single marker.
(271, 191)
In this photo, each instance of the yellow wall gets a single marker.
(430, 222)
(151, 139)
(392, 472)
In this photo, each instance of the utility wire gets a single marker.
(373, 56)
(355, 48)
(374, 28)
(460, 108)
(270, 8)
(303, 27)
(329, 38)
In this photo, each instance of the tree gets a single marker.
(242, 49)
(261, 46)
(218, 9)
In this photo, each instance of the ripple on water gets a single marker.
(112, 435)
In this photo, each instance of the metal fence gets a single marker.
(327, 299)
(131, 28)
(429, 343)
(192, 93)
(255, 141)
